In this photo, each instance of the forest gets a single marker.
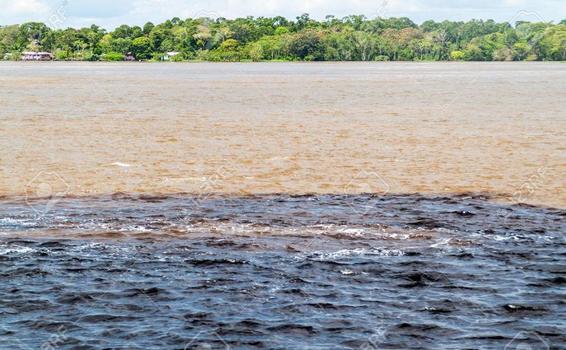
(352, 38)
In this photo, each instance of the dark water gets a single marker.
(281, 272)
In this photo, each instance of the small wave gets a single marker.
(14, 249)
(357, 252)
(13, 222)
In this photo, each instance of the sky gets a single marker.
(111, 13)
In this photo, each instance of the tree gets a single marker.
(228, 51)
(303, 21)
(281, 30)
(157, 36)
(35, 34)
(503, 54)
(66, 40)
(113, 56)
(9, 39)
(124, 31)
(307, 45)
(203, 35)
(230, 45)
(364, 45)
(121, 45)
(473, 53)
(268, 48)
(457, 55)
(520, 51)
(141, 48)
(553, 43)
(147, 28)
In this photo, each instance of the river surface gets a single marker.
(282, 206)
(284, 128)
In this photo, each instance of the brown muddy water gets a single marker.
(282, 206)
(497, 128)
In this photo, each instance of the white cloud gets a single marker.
(514, 2)
(23, 7)
(98, 8)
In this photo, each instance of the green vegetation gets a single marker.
(353, 38)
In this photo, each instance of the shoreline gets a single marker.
(294, 62)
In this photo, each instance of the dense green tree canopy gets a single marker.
(353, 38)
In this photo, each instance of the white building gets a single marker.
(37, 56)
(169, 55)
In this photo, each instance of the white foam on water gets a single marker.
(355, 252)
(122, 165)
(441, 243)
(6, 250)
(17, 222)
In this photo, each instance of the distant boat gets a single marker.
(37, 56)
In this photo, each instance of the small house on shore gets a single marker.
(169, 55)
(37, 56)
(129, 57)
